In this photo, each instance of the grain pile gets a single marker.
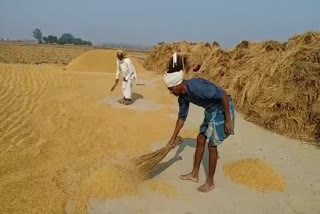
(111, 181)
(39, 54)
(58, 144)
(255, 174)
(98, 61)
(266, 80)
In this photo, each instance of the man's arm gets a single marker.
(225, 105)
(117, 71)
(178, 127)
(183, 112)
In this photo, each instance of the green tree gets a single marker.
(66, 38)
(52, 39)
(37, 34)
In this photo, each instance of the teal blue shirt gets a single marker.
(202, 93)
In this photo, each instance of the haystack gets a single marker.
(276, 86)
(193, 53)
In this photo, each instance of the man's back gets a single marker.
(202, 93)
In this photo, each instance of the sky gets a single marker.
(147, 22)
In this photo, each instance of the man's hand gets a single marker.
(172, 142)
(114, 85)
(228, 127)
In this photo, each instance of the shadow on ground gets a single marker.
(187, 142)
(136, 96)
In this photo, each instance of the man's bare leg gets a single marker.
(209, 185)
(194, 175)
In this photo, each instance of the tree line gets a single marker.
(66, 38)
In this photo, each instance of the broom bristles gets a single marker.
(148, 161)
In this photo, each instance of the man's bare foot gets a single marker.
(207, 187)
(189, 177)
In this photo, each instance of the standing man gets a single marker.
(218, 121)
(126, 68)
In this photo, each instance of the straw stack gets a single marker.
(148, 161)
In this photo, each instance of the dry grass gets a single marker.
(39, 54)
(157, 59)
(255, 174)
(276, 86)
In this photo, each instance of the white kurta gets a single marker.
(128, 72)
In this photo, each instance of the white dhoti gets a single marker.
(127, 89)
(128, 72)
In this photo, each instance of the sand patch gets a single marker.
(255, 174)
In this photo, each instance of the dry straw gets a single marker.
(275, 85)
(159, 57)
(147, 162)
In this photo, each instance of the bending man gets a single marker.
(126, 68)
(218, 121)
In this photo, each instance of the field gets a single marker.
(63, 142)
(25, 53)
(54, 135)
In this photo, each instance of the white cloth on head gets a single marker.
(173, 79)
(120, 52)
(174, 60)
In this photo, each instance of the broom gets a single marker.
(148, 161)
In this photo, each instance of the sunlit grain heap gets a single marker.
(255, 174)
(111, 181)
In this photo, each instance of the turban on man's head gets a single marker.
(120, 53)
(173, 79)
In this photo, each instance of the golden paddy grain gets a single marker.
(255, 174)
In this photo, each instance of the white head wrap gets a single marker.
(174, 60)
(173, 79)
(121, 52)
